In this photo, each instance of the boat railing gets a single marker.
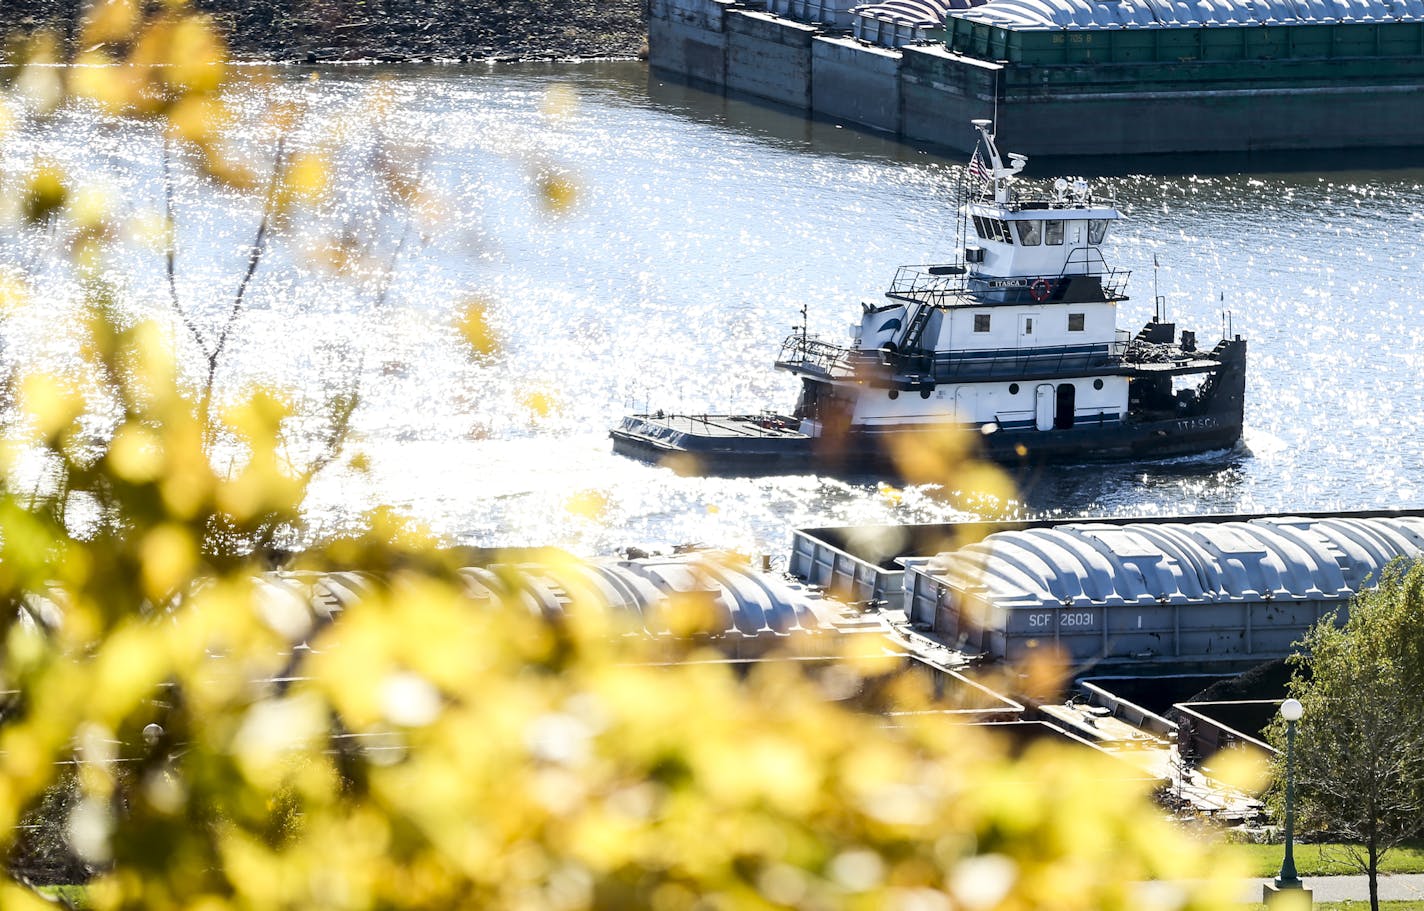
(944, 285)
(1115, 282)
(929, 284)
(800, 352)
(1007, 362)
(1031, 197)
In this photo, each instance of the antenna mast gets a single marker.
(1156, 297)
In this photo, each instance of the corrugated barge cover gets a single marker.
(744, 602)
(923, 13)
(1179, 563)
(1096, 14)
(1186, 591)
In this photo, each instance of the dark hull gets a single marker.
(657, 440)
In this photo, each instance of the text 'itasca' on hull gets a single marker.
(1014, 348)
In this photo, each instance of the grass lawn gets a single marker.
(1326, 860)
(1359, 906)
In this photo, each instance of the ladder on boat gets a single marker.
(916, 330)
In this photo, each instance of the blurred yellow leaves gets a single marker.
(51, 403)
(109, 22)
(136, 454)
(169, 558)
(558, 193)
(472, 322)
(560, 102)
(45, 192)
(1246, 768)
(587, 504)
(39, 85)
(539, 403)
(308, 177)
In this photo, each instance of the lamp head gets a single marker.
(1291, 710)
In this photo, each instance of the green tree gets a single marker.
(1359, 751)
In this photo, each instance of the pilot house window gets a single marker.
(993, 229)
(981, 322)
(1030, 232)
(1075, 322)
(1097, 230)
(1053, 232)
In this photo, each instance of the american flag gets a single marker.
(976, 167)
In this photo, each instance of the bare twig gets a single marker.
(254, 257)
(170, 229)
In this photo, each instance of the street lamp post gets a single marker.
(1291, 710)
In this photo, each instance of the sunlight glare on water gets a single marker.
(702, 225)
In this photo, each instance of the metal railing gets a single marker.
(799, 352)
(939, 286)
(1031, 197)
(1008, 362)
(802, 352)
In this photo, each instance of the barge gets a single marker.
(1015, 347)
(1075, 77)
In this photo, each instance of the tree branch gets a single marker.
(254, 256)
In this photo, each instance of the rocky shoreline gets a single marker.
(316, 31)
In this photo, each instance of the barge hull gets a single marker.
(1253, 88)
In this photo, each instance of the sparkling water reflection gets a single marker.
(703, 224)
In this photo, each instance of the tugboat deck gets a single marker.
(1176, 368)
(728, 425)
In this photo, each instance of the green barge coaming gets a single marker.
(1081, 77)
(1327, 50)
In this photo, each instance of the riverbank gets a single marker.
(399, 30)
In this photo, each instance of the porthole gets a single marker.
(894, 394)
(1097, 384)
(1013, 389)
(924, 393)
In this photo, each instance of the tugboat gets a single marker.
(1017, 343)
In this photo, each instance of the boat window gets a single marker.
(1075, 322)
(981, 322)
(993, 229)
(1097, 230)
(1053, 232)
(1030, 232)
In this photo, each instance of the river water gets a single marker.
(700, 226)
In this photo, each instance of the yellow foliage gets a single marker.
(558, 193)
(474, 327)
(52, 403)
(308, 177)
(587, 504)
(169, 557)
(45, 192)
(539, 403)
(109, 21)
(417, 748)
